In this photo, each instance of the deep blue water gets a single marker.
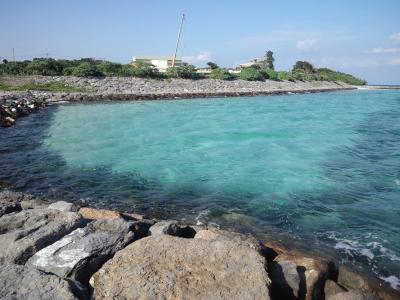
(320, 170)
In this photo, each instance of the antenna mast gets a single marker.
(177, 42)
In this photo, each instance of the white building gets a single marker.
(253, 62)
(162, 63)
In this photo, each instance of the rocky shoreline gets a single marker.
(60, 250)
(16, 104)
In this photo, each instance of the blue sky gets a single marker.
(360, 37)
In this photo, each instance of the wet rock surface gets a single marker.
(81, 253)
(168, 267)
(22, 282)
(51, 252)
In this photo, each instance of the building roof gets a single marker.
(149, 57)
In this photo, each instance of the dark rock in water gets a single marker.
(168, 267)
(24, 233)
(22, 282)
(82, 252)
(352, 280)
(172, 228)
(8, 206)
(25, 200)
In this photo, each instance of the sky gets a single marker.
(361, 37)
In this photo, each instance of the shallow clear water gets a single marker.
(321, 170)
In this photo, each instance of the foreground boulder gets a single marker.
(297, 275)
(82, 252)
(168, 267)
(24, 233)
(22, 282)
(351, 279)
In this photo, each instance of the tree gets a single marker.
(212, 65)
(5, 61)
(269, 60)
(145, 70)
(304, 66)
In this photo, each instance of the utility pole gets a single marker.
(177, 42)
(13, 54)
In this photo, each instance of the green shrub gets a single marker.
(126, 71)
(221, 74)
(331, 75)
(45, 67)
(186, 72)
(110, 68)
(144, 70)
(87, 69)
(251, 74)
(271, 74)
(303, 66)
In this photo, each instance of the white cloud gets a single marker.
(396, 61)
(201, 57)
(395, 37)
(381, 50)
(308, 44)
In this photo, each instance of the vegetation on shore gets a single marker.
(53, 86)
(87, 67)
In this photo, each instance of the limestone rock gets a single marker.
(24, 233)
(63, 206)
(168, 267)
(97, 214)
(9, 207)
(22, 282)
(287, 281)
(172, 228)
(82, 252)
(313, 271)
(331, 288)
(25, 200)
(352, 295)
(353, 280)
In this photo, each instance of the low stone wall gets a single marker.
(16, 104)
(60, 250)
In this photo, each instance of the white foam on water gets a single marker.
(392, 280)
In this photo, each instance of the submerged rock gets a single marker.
(82, 252)
(22, 282)
(24, 233)
(168, 267)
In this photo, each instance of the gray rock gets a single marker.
(352, 295)
(82, 252)
(63, 206)
(9, 207)
(331, 288)
(353, 280)
(286, 281)
(24, 233)
(168, 267)
(25, 200)
(172, 228)
(22, 282)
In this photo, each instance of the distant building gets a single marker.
(254, 62)
(162, 63)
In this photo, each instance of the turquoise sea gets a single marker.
(317, 170)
